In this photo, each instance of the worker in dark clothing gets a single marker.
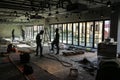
(23, 34)
(13, 35)
(39, 43)
(56, 41)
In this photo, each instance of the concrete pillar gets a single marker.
(118, 34)
(115, 26)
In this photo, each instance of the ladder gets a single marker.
(46, 38)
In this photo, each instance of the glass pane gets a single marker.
(89, 34)
(55, 26)
(40, 28)
(64, 33)
(60, 31)
(36, 30)
(98, 33)
(29, 33)
(82, 34)
(51, 32)
(75, 33)
(106, 29)
(70, 33)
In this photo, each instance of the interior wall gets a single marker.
(6, 30)
(7, 27)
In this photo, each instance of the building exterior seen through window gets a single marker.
(86, 34)
(31, 31)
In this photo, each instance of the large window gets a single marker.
(75, 33)
(32, 31)
(89, 34)
(28, 33)
(106, 29)
(60, 32)
(98, 32)
(82, 34)
(36, 30)
(69, 33)
(51, 32)
(64, 33)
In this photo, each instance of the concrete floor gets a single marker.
(59, 65)
(51, 66)
(8, 71)
(56, 68)
(52, 63)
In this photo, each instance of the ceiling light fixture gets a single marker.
(113, 9)
(101, 15)
(57, 18)
(28, 19)
(66, 16)
(109, 3)
(36, 13)
(15, 13)
(49, 14)
(26, 14)
(57, 12)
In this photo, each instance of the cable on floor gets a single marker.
(63, 63)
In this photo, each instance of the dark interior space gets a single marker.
(59, 40)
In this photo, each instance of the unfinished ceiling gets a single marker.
(12, 9)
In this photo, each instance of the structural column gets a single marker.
(115, 26)
(118, 34)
